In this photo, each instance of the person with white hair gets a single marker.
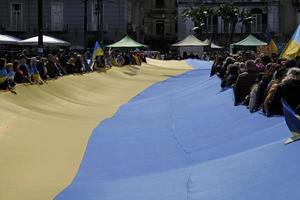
(288, 90)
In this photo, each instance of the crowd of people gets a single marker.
(21, 69)
(260, 82)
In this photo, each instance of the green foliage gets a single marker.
(230, 14)
(198, 15)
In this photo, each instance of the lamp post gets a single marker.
(40, 27)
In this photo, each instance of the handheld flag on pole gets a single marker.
(98, 51)
(271, 48)
(292, 49)
(292, 121)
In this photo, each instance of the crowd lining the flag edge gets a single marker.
(258, 81)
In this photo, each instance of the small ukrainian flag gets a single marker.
(292, 49)
(292, 121)
(98, 51)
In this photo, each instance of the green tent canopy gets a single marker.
(190, 41)
(127, 42)
(249, 41)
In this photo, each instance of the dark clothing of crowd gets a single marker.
(37, 70)
(259, 82)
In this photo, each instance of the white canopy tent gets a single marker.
(47, 40)
(127, 42)
(212, 45)
(190, 41)
(190, 44)
(8, 40)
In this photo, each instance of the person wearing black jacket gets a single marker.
(52, 69)
(245, 82)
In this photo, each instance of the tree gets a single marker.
(230, 17)
(245, 19)
(199, 16)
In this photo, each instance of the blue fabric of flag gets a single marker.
(182, 139)
(291, 118)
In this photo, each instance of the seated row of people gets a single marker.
(37, 70)
(259, 82)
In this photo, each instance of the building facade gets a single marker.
(160, 23)
(289, 17)
(265, 14)
(151, 21)
(63, 19)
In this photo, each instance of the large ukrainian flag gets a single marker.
(292, 49)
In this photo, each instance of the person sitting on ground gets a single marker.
(137, 61)
(245, 82)
(10, 73)
(79, 68)
(42, 69)
(287, 90)
(52, 70)
(35, 75)
(255, 97)
(132, 60)
(97, 65)
(4, 82)
(24, 66)
(228, 61)
(231, 76)
(120, 60)
(85, 60)
(107, 61)
(19, 74)
(61, 69)
(71, 64)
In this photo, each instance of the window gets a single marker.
(16, 22)
(160, 28)
(208, 27)
(224, 28)
(57, 16)
(160, 3)
(256, 26)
